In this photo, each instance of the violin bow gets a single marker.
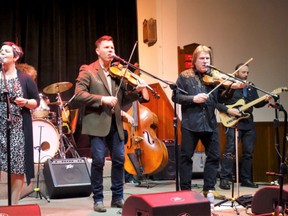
(247, 62)
(126, 69)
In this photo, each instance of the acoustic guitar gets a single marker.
(229, 121)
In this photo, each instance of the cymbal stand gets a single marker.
(63, 138)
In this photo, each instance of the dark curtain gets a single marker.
(59, 36)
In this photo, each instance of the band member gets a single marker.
(28, 69)
(23, 94)
(246, 134)
(199, 120)
(102, 120)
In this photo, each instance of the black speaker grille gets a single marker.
(67, 177)
(71, 174)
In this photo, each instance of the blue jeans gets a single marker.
(98, 149)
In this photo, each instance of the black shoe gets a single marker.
(132, 181)
(99, 207)
(117, 204)
(248, 183)
(224, 184)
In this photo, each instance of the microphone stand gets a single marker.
(9, 123)
(174, 87)
(280, 208)
(276, 125)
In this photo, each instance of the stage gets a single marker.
(84, 205)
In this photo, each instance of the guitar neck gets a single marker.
(252, 103)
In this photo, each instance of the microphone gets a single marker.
(1, 60)
(113, 55)
(212, 67)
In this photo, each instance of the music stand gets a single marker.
(37, 189)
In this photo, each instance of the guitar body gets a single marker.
(230, 121)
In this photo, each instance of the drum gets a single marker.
(45, 140)
(52, 117)
(43, 109)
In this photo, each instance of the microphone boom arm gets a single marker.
(171, 85)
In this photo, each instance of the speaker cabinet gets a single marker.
(67, 177)
(167, 203)
(169, 171)
(23, 210)
(267, 198)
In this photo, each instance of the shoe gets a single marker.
(248, 183)
(117, 204)
(99, 207)
(216, 195)
(132, 181)
(224, 184)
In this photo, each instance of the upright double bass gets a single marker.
(145, 154)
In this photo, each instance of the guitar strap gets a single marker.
(245, 91)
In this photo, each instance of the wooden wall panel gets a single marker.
(266, 158)
(165, 112)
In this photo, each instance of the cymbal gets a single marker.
(57, 103)
(57, 87)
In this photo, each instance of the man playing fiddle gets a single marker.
(199, 120)
(102, 120)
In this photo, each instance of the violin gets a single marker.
(216, 77)
(122, 72)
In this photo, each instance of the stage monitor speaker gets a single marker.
(169, 172)
(67, 177)
(167, 203)
(267, 198)
(23, 210)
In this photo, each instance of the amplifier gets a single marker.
(67, 177)
(169, 171)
